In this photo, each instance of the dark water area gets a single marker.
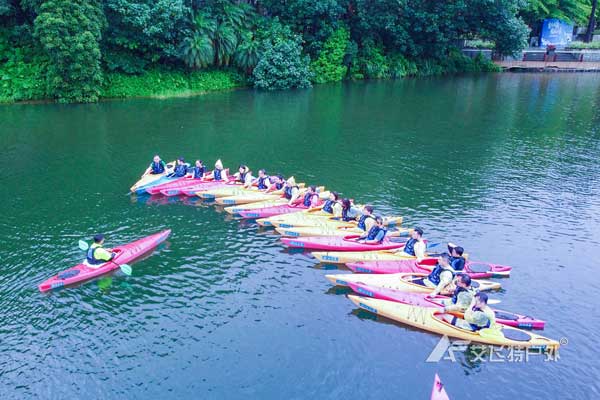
(507, 165)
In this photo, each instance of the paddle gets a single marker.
(83, 246)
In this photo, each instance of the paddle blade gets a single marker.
(126, 269)
(432, 245)
(83, 245)
(493, 301)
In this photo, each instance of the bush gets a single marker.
(281, 64)
(164, 83)
(479, 44)
(329, 66)
(583, 45)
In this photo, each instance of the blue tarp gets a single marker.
(556, 32)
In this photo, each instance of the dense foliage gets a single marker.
(80, 50)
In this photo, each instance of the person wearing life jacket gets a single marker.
(441, 276)
(332, 205)
(376, 234)
(479, 315)
(415, 246)
(291, 191)
(462, 295)
(243, 176)
(181, 169)
(456, 257)
(263, 182)
(348, 212)
(218, 174)
(311, 198)
(96, 255)
(199, 170)
(277, 183)
(157, 166)
(367, 219)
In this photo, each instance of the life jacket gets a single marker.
(180, 170)
(361, 222)
(434, 276)
(217, 174)
(288, 191)
(458, 291)
(261, 183)
(374, 231)
(279, 185)
(199, 172)
(345, 216)
(158, 167)
(308, 199)
(90, 259)
(242, 177)
(409, 247)
(476, 327)
(458, 263)
(328, 206)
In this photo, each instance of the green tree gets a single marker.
(70, 33)
(576, 11)
(247, 52)
(329, 66)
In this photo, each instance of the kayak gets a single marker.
(125, 253)
(271, 211)
(438, 392)
(179, 183)
(409, 282)
(195, 186)
(247, 198)
(421, 300)
(475, 269)
(328, 230)
(147, 179)
(336, 243)
(308, 219)
(435, 321)
(346, 257)
(192, 191)
(253, 206)
(162, 180)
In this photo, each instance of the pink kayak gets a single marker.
(338, 243)
(438, 392)
(193, 186)
(271, 211)
(180, 183)
(475, 269)
(125, 253)
(421, 300)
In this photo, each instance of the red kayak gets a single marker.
(193, 186)
(438, 392)
(125, 253)
(267, 212)
(337, 243)
(180, 183)
(475, 269)
(421, 300)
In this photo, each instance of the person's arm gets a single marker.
(337, 210)
(478, 318)
(420, 249)
(378, 238)
(369, 222)
(103, 254)
(462, 303)
(445, 280)
(295, 196)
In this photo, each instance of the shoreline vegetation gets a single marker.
(84, 51)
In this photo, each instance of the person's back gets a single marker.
(462, 296)
(415, 246)
(479, 315)
(96, 255)
(367, 219)
(441, 277)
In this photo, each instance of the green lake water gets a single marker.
(507, 165)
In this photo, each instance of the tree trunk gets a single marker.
(589, 34)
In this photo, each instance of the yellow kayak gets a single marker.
(433, 320)
(344, 257)
(254, 206)
(254, 196)
(316, 218)
(328, 230)
(404, 281)
(149, 178)
(224, 191)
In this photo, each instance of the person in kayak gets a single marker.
(367, 219)
(415, 246)
(181, 169)
(244, 176)
(462, 296)
(277, 183)
(96, 254)
(157, 166)
(199, 170)
(332, 205)
(479, 315)
(348, 212)
(376, 234)
(218, 174)
(441, 276)
(310, 199)
(263, 182)
(291, 191)
(456, 257)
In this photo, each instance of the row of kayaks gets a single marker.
(385, 281)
